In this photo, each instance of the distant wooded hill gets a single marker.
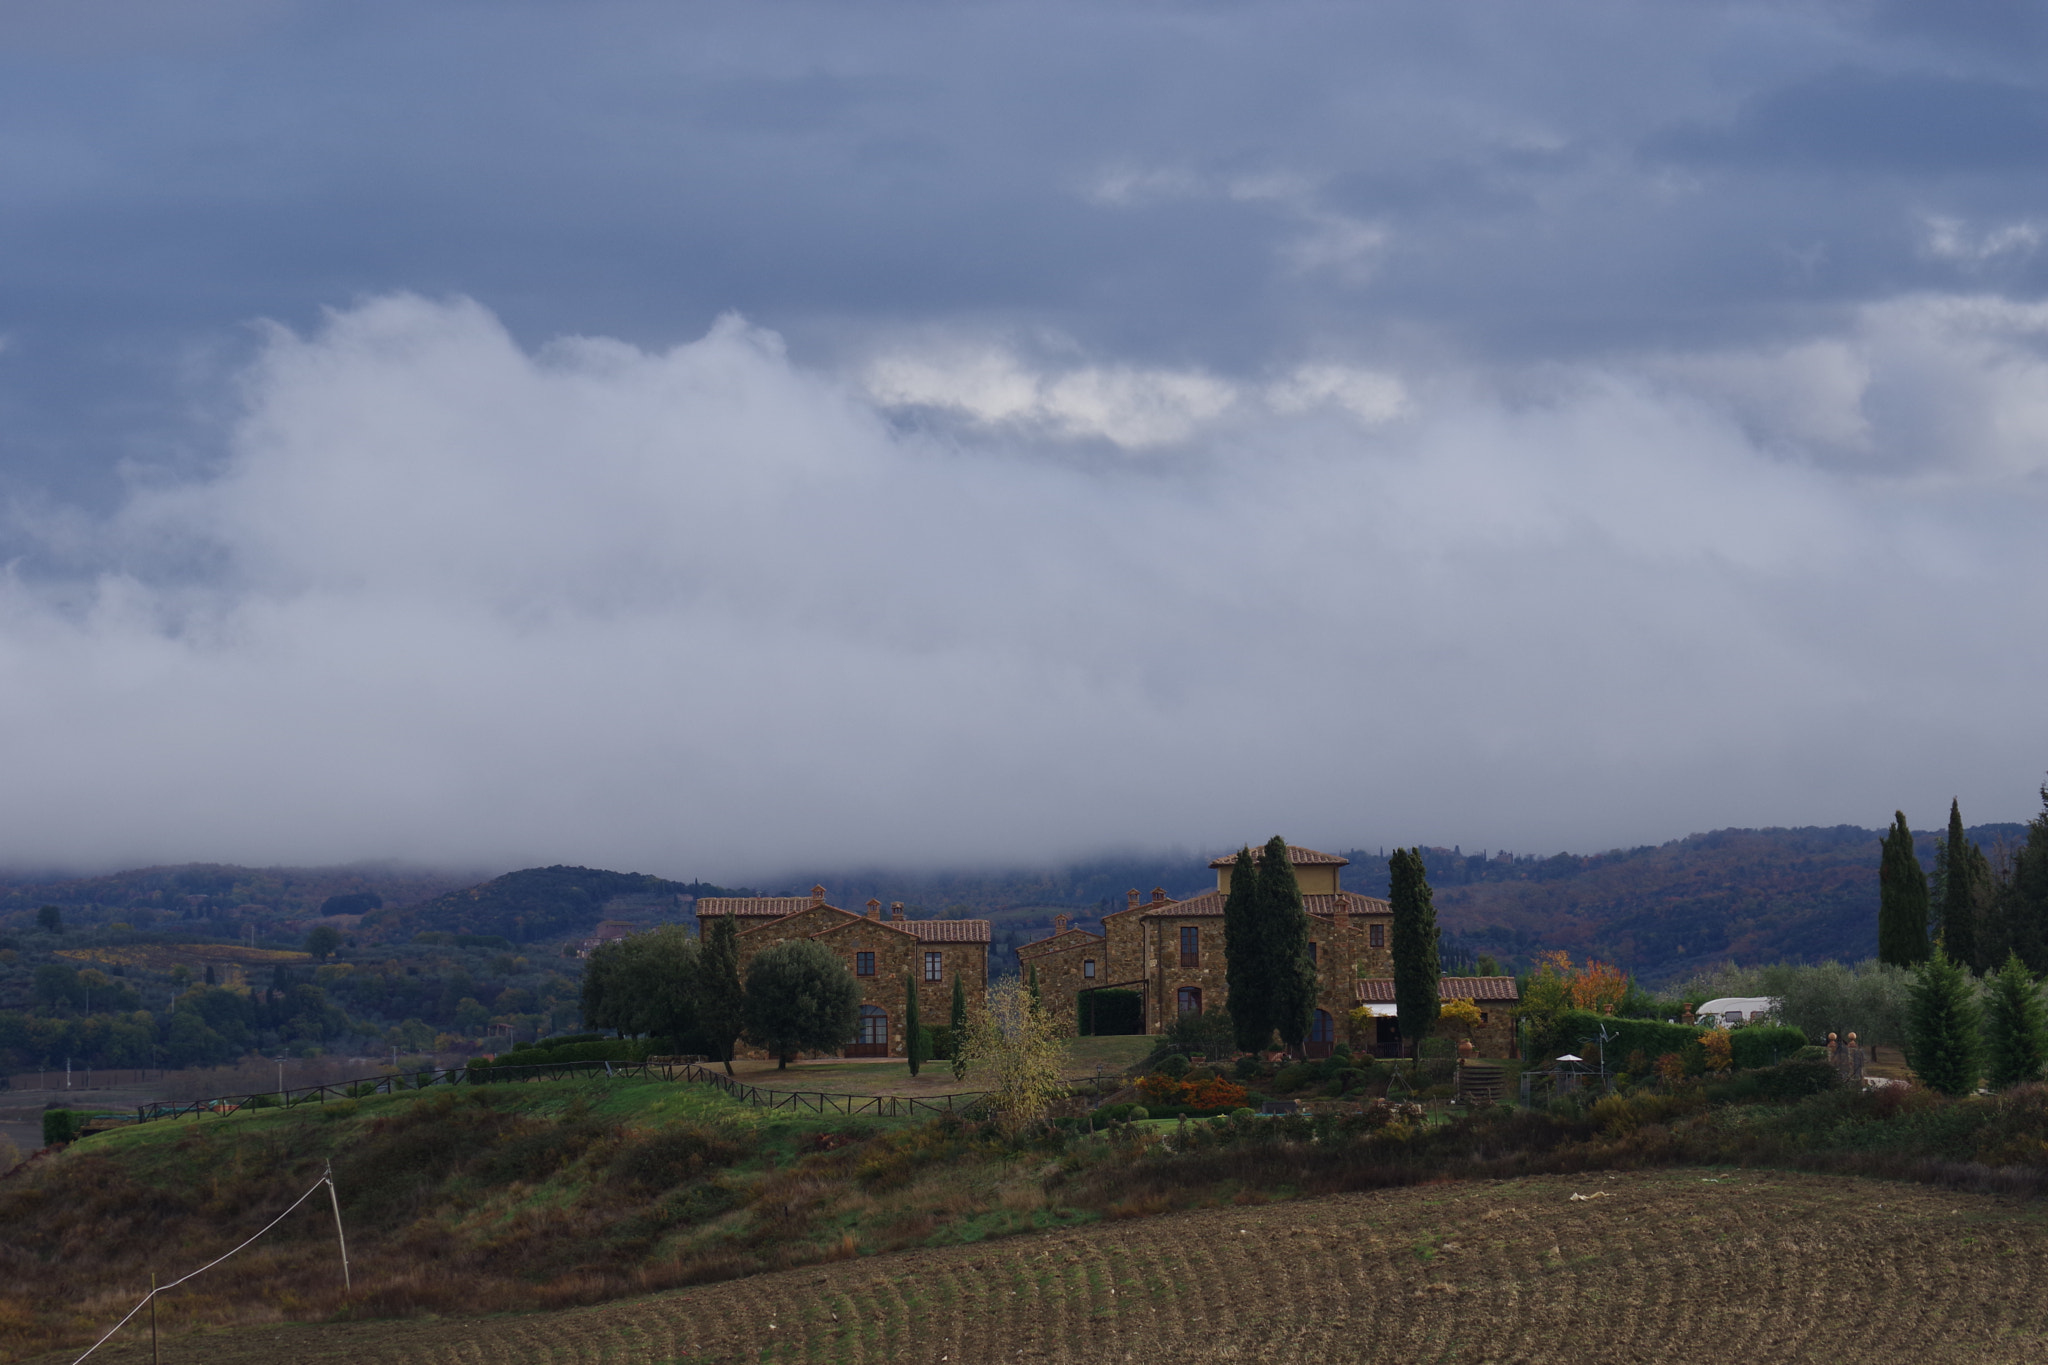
(541, 903)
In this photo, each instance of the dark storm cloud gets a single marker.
(1580, 392)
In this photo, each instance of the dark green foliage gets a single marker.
(644, 985)
(1416, 967)
(50, 918)
(721, 996)
(2015, 1026)
(536, 903)
(941, 1047)
(916, 1039)
(1762, 1045)
(322, 941)
(1211, 1033)
(1963, 879)
(1244, 950)
(1942, 1045)
(1568, 1032)
(1032, 986)
(956, 1020)
(351, 903)
(1174, 1065)
(1902, 899)
(1106, 1012)
(556, 1052)
(1283, 923)
(2019, 904)
(60, 1126)
(800, 998)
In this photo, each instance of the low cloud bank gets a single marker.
(707, 612)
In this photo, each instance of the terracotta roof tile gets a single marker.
(1486, 989)
(1077, 935)
(1212, 904)
(754, 907)
(1300, 857)
(946, 930)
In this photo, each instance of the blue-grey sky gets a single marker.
(712, 438)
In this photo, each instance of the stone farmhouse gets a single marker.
(1171, 953)
(881, 953)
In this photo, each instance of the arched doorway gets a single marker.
(1322, 1034)
(871, 1034)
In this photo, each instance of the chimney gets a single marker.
(874, 908)
(895, 910)
(817, 895)
(1132, 897)
(1059, 924)
(1159, 895)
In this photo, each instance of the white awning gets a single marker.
(1382, 1011)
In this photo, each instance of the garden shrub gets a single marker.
(1758, 1045)
(61, 1126)
(1175, 1066)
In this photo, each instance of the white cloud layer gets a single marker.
(704, 611)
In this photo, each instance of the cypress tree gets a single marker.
(913, 1028)
(1416, 965)
(2025, 894)
(1035, 1001)
(957, 1021)
(1956, 874)
(721, 998)
(1284, 926)
(1414, 946)
(1902, 900)
(2015, 1026)
(1942, 1043)
(1251, 1020)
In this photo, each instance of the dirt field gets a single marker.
(1693, 1266)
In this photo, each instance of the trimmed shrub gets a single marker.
(61, 1126)
(1105, 1012)
(942, 1042)
(1757, 1045)
(1175, 1066)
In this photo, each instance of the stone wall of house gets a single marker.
(898, 952)
(1061, 962)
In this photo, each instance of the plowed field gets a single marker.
(1691, 1266)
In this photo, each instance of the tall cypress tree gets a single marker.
(1251, 1019)
(1942, 1042)
(957, 1020)
(1283, 922)
(721, 998)
(2024, 896)
(1901, 900)
(1961, 891)
(913, 1028)
(1416, 965)
(2015, 1026)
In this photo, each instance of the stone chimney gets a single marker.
(1059, 924)
(1159, 895)
(895, 910)
(874, 908)
(1131, 896)
(817, 895)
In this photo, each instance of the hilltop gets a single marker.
(542, 903)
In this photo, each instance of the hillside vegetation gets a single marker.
(474, 1200)
(1681, 1266)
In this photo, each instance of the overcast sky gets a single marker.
(708, 439)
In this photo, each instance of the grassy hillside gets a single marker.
(463, 1202)
(1674, 1266)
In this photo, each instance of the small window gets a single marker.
(1482, 1016)
(1190, 999)
(934, 966)
(1313, 959)
(1088, 968)
(1190, 947)
(1379, 936)
(863, 964)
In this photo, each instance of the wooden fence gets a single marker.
(824, 1102)
(802, 1101)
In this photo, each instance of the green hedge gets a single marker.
(597, 1050)
(1105, 1012)
(61, 1126)
(1756, 1045)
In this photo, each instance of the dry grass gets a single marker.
(1678, 1265)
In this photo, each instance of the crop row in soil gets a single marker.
(1675, 1265)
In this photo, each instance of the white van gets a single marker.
(1730, 1010)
